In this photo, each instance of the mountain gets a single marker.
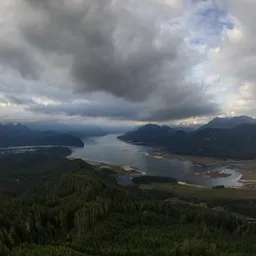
(16, 134)
(186, 129)
(149, 134)
(238, 142)
(79, 130)
(227, 123)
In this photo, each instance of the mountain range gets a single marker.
(213, 139)
(16, 134)
(227, 123)
(80, 130)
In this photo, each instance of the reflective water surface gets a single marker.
(110, 150)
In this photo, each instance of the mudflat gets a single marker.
(194, 159)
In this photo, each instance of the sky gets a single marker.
(127, 61)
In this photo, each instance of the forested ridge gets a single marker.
(54, 206)
(238, 142)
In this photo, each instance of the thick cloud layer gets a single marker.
(118, 109)
(134, 51)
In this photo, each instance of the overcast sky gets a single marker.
(127, 61)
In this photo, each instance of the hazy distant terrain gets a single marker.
(16, 134)
(79, 130)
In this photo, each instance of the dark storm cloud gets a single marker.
(182, 112)
(18, 59)
(106, 110)
(124, 48)
(112, 47)
(106, 107)
(123, 113)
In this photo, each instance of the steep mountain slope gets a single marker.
(238, 142)
(149, 134)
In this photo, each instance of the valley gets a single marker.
(52, 205)
(77, 201)
(112, 151)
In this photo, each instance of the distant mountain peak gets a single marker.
(150, 125)
(153, 133)
(243, 118)
(228, 122)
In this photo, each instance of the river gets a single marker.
(110, 150)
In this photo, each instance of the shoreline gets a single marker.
(35, 147)
(247, 168)
(196, 160)
(122, 170)
(133, 171)
(126, 168)
(161, 153)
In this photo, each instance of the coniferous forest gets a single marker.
(50, 205)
